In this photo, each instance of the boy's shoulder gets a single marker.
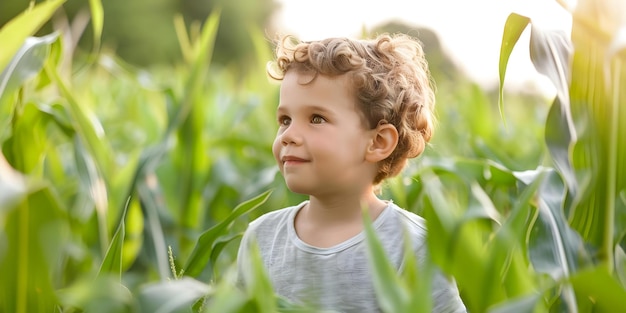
(414, 224)
(413, 220)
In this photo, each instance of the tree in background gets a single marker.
(440, 64)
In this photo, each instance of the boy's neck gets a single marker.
(344, 209)
(325, 222)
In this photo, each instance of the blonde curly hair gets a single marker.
(391, 79)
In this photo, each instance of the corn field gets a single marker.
(125, 189)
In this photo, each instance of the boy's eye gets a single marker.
(317, 119)
(284, 121)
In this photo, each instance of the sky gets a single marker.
(460, 24)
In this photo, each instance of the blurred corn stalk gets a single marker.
(579, 236)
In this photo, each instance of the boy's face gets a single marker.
(322, 139)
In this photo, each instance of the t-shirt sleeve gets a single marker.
(243, 258)
(446, 298)
(445, 294)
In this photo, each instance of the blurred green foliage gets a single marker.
(142, 32)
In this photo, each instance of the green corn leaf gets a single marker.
(201, 253)
(596, 286)
(97, 22)
(550, 52)
(13, 186)
(524, 304)
(112, 263)
(24, 65)
(35, 234)
(451, 237)
(513, 29)
(104, 294)
(260, 288)
(219, 245)
(391, 296)
(152, 207)
(13, 34)
(416, 277)
(87, 128)
(554, 248)
(172, 296)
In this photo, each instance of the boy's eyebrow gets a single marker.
(311, 107)
(319, 108)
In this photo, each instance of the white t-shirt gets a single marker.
(338, 278)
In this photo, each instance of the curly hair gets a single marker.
(391, 79)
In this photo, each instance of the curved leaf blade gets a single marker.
(97, 21)
(172, 296)
(112, 263)
(13, 34)
(201, 253)
(24, 65)
(513, 29)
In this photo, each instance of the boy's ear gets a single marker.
(384, 141)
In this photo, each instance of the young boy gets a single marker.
(351, 113)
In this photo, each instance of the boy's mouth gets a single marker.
(292, 160)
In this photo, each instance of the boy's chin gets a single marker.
(298, 188)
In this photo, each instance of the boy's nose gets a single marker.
(291, 135)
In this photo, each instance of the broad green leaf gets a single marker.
(183, 37)
(24, 65)
(112, 263)
(35, 235)
(554, 247)
(524, 304)
(505, 257)
(259, 287)
(201, 253)
(597, 287)
(481, 206)
(97, 21)
(391, 296)
(149, 196)
(133, 238)
(92, 184)
(87, 127)
(12, 186)
(228, 299)
(172, 296)
(471, 170)
(449, 239)
(104, 294)
(28, 144)
(513, 29)
(219, 245)
(13, 33)
(550, 52)
(416, 277)
(559, 139)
